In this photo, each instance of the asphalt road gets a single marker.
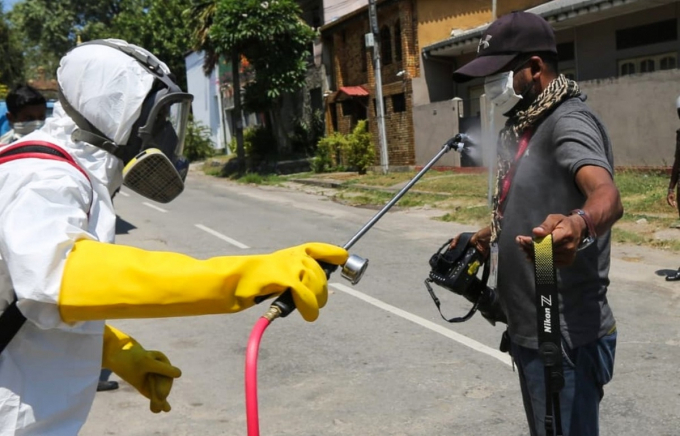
(379, 361)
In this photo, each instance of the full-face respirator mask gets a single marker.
(455, 269)
(154, 165)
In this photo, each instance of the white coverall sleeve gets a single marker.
(44, 208)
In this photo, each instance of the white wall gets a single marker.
(206, 103)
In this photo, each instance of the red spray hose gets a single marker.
(251, 376)
(281, 307)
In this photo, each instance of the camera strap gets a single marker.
(437, 303)
(549, 338)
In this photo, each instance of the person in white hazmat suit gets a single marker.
(62, 275)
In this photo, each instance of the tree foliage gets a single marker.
(11, 67)
(50, 28)
(276, 42)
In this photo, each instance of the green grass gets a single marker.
(463, 198)
(468, 215)
(259, 179)
(644, 194)
(359, 197)
(384, 180)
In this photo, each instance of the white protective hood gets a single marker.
(106, 86)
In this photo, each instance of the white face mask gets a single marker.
(499, 90)
(26, 127)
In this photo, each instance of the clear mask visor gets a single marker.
(167, 124)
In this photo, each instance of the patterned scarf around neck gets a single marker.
(555, 93)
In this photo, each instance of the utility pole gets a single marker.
(236, 117)
(375, 30)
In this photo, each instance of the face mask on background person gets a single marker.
(25, 127)
(500, 91)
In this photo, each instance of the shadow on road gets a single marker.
(123, 227)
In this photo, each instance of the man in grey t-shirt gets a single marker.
(555, 177)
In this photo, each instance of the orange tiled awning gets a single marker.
(346, 92)
(354, 91)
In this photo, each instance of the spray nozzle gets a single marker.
(458, 142)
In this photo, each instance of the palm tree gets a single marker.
(202, 13)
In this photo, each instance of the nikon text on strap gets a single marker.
(549, 338)
(12, 319)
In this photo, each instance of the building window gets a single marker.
(399, 103)
(386, 45)
(667, 63)
(648, 64)
(654, 33)
(397, 41)
(347, 108)
(360, 112)
(364, 65)
(565, 52)
(316, 99)
(627, 68)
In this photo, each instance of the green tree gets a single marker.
(11, 67)
(50, 28)
(156, 25)
(276, 42)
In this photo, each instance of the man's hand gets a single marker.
(480, 240)
(670, 198)
(567, 233)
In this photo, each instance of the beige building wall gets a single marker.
(639, 114)
(437, 18)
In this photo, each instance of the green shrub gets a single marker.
(258, 144)
(306, 133)
(359, 148)
(329, 152)
(198, 143)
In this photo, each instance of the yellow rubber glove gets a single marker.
(150, 372)
(106, 281)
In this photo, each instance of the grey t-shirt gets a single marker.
(544, 183)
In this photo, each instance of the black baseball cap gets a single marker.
(505, 40)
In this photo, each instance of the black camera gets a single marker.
(455, 269)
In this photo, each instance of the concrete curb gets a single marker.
(336, 184)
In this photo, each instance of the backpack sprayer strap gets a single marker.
(12, 319)
(549, 339)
